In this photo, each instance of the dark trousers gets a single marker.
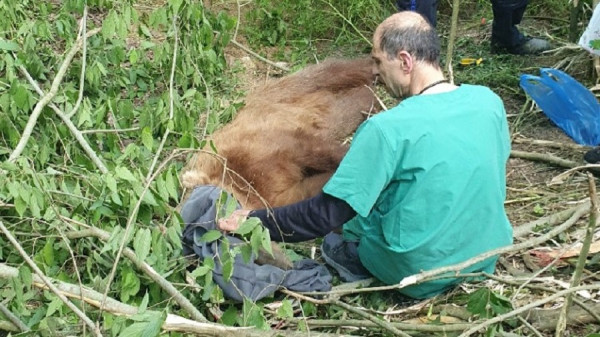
(507, 14)
(427, 8)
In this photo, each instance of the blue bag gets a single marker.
(569, 104)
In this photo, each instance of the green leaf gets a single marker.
(133, 56)
(141, 243)
(175, 237)
(8, 45)
(211, 236)
(189, 93)
(20, 206)
(146, 32)
(172, 185)
(285, 310)
(111, 182)
(230, 316)
(265, 241)
(147, 138)
(109, 25)
(130, 284)
(248, 226)
(256, 239)
(48, 252)
(56, 304)
(228, 269)
(246, 250)
(200, 271)
(144, 304)
(124, 173)
(154, 325)
(478, 302)
(26, 278)
(20, 96)
(134, 330)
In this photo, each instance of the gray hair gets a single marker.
(418, 39)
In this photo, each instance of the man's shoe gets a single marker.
(529, 46)
(343, 257)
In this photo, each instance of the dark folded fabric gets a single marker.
(249, 280)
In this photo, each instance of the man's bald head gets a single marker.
(411, 32)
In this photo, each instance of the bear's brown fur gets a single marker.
(288, 139)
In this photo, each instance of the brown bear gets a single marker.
(289, 138)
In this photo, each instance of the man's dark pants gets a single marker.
(507, 14)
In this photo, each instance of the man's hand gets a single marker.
(233, 222)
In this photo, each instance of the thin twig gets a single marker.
(172, 322)
(561, 325)
(545, 158)
(530, 327)
(195, 314)
(381, 323)
(171, 99)
(110, 130)
(338, 13)
(95, 330)
(322, 323)
(78, 134)
(47, 98)
(183, 302)
(269, 62)
(14, 319)
(524, 308)
(83, 63)
(451, 39)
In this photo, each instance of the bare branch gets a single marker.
(47, 98)
(561, 325)
(40, 274)
(83, 63)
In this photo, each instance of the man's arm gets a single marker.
(305, 220)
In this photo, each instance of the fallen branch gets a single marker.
(269, 62)
(561, 325)
(183, 302)
(48, 97)
(83, 63)
(381, 323)
(172, 322)
(78, 134)
(455, 268)
(95, 330)
(550, 220)
(13, 319)
(323, 323)
(525, 308)
(551, 144)
(544, 158)
(452, 38)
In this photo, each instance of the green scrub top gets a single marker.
(428, 182)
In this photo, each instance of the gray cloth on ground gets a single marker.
(249, 280)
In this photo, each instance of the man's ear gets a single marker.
(406, 61)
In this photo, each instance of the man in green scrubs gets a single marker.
(422, 185)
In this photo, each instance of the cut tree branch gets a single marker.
(561, 325)
(48, 97)
(46, 281)
(78, 134)
(172, 322)
(183, 302)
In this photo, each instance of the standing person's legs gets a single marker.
(505, 34)
(507, 14)
(427, 8)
